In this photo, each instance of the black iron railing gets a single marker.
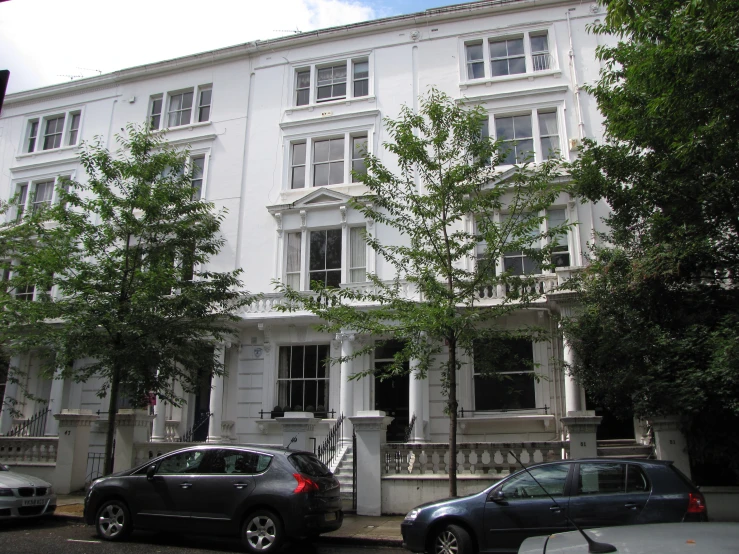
(33, 427)
(327, 449)
(191, 435)
(409, 431)
(95, 466)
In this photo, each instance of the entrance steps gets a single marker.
(345, 474)
(624, 448)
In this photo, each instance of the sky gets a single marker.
(44, 42)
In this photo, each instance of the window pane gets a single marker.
(320, 151)
(636, 480)
(358, 166)
(522, 126)
(296, 396)
(339, 72)
(524, 485)
(539, 43)
(514, 265)
(187, 101)
(296, 362)
(317, 250)
(299, 153)
(530, 266)
(549, 147)
(336, 149)
(283, 367)
(293, 252)
(601, 478)
(333, 278)
(517, 65)
(361, 88)
(205, 97)
(515, 47)
(476, 70)
(322, 360)
(310, 393)
(499, 67)
(504, 128)
(324, 92)
(303, 97)
(297, 178)
(361, 70)
(474, 52)
(498, 49)
(325, 75)
(303, 79)
(183, 463)
(336, 176)
(204, 113)
(339, 90)
(548, 123)
(333, 249)
(320, 175)
(311, 361)
(524, 151)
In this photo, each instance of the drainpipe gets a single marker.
(575, 86)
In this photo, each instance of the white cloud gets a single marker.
(42, 41)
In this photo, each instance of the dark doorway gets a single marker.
(391, 393)
(202, 407)
(612, 426)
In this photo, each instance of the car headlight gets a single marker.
(412, 515)
(50, 490)
(6, 492)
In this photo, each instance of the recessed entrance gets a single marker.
(391, 393)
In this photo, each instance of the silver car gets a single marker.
(24, 496)
(654, 538)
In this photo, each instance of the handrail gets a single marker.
(33, 427)
(189, 436)
(327, 449)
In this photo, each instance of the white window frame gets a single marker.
(303, 271)
(166, 107)
(538, 400)
(326, 379)
(170, 111)
(150, 112)
(198, 104)
(308, 163)
(65, 136)
(533, 111)
(531, 63)
(314, 66)
(30, 200)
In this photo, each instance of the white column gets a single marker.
(346, 387)
(572, 389)
(216, 400)
(159, 432)
(371, 429)
(11, 392)
(55, 404)
(416, 403)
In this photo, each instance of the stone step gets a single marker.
(625, 451)
(616, 442)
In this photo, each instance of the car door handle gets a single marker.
(631, 506)
(555, 509)
(185, 485)
(241, 485)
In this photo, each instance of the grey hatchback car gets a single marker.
(594, 492)
(263, 495)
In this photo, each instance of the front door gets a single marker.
(391, 393)
(167, 501)
(202, 407)
(525, 509)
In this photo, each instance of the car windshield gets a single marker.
(309, 465)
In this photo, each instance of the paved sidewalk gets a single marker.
(382, 530)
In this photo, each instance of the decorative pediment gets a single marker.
(318, 198)
(504, 176)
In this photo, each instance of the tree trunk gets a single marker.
(452, 403)
(112, 410)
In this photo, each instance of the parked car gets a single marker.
(24, 496)
(263, 495)
(676, 538)
(593, 492)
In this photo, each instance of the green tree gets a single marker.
(658, 333)
(446, 177)
(127, 250)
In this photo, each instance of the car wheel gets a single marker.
(262, 532)
(452, 539)
(113, 521)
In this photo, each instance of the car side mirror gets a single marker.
(498, 497)
(151, 471)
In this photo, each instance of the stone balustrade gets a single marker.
(543, 284)
(481, 459)
(172, 430)
(28, 450)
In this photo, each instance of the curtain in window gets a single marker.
(293, 260)
(358, 254)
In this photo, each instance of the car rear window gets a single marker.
(309, 465)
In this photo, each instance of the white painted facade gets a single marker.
(246, 143)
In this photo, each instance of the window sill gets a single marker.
(31, 155)
(490, 81)
(484, 422)
(188, 126)
(321, 105)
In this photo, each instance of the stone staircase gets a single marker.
(344, 473)
(624, 448)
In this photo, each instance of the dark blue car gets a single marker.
(592, 492)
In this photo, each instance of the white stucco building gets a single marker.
(275, 126)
